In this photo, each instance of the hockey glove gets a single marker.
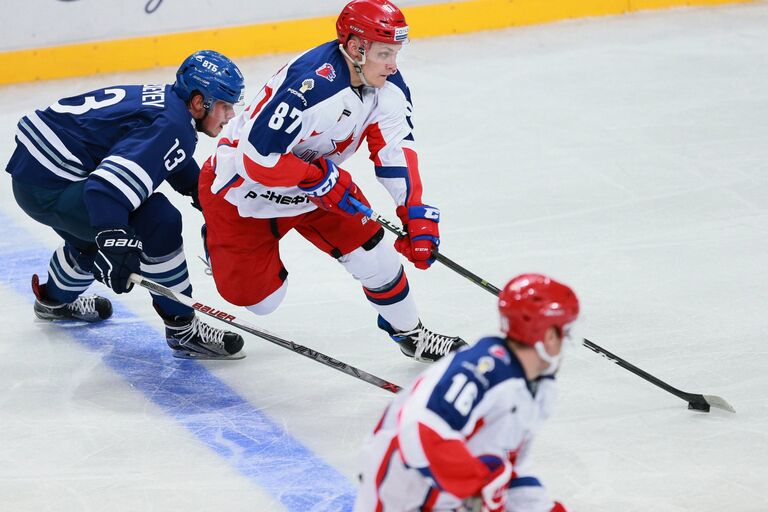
(333, 190)
(117, 258)
(420, 221)
(195, 196)
(494, 492)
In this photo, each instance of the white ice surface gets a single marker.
(626, 156)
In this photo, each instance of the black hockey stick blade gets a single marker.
(704, 402)
(695, 402)
(232, 320)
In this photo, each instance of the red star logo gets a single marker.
(340, 145)
(314, 133)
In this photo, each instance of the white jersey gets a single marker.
(307, 111)
(427, 451)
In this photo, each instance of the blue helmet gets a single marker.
(213, 75)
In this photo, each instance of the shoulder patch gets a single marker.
(499, 352)
(326, 71)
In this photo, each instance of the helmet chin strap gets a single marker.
(553, 361)
(207, 110)
(358, 64)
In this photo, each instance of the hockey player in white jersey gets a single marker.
(459, 437)
(276, 168)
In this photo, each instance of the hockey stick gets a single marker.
(232, 320)
(695, 401)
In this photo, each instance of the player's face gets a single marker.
(380, 62)
(553, 341)
(219, 115)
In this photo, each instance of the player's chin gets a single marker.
(214, 131)
(379, 81)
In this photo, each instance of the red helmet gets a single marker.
(372, 20)
(531, 303)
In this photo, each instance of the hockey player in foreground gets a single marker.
(276, 168)
(88, 166)
(459, 437)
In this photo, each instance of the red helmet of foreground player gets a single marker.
(372, 20)
(531, 303)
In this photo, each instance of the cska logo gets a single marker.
(499, 352)
(326, 71)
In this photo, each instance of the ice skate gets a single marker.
(421, 344)
(192, 339)
(92, 308)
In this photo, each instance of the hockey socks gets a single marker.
(394, 302)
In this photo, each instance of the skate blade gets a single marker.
(66, 322)
(185, 354)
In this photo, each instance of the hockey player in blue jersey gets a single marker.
(88, 166)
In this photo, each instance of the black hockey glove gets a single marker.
(117, 259)
(194, 194)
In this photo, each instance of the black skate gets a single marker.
(192, 339)
(422, 344)
(87, 309)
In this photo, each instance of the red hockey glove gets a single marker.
(332, 191)
(558, 507)
(494, 493)
(420, 221)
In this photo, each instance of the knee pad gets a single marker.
(374, 268)
(271, 302)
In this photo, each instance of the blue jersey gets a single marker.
(125, 140)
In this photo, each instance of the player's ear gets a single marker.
(196, 107)
(353, 47)
(553, 337)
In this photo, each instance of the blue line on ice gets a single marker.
(209, 409)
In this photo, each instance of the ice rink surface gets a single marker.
(626, 156)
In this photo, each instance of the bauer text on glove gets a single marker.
(117, 258)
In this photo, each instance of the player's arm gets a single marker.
(454, 407)
(277, 124)
(135, 166)
(122, 181)
(526, 491)
(185, 181)
(268, 159)
(391, 144)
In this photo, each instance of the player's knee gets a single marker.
(374, 268)
(270, 303)
(158, 220)
(170, 222)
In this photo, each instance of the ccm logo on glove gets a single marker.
(431, 213)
